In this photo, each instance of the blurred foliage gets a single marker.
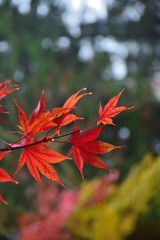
(99, 209)
(50, 212)
(128, 207)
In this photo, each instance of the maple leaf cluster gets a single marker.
(84, 146)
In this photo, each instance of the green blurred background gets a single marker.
(63, 46)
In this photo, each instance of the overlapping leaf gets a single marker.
(109, 111)
(37, 159)
(85, 147)
(66, 118)
(39, 120)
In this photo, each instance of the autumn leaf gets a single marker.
(85, 147)
(2, 200)
(39, 120)
(4, 176)
(69, 104)
(37, 159)
(72, 100)
(109, 111)
(2, 154)
(3, 93)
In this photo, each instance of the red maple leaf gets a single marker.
(2, 200)
(39, 120)
(3, 93)
(4, 176)
(110, 110)
(85, 147)
(69, 104)
(37, 157)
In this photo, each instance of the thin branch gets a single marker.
(45, 139)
